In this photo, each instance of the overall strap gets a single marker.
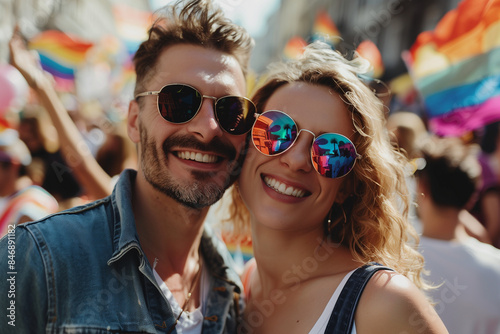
(342, 318)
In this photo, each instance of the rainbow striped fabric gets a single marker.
(31, 203)
(456, 68)
(60, 55)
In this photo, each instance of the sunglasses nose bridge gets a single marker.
(213, 98)
(209, 115)
(209, 97)
(310, 132)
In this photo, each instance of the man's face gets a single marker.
(196, 161)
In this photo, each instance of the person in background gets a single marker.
(20, 200)
(71, 171)
(408, 132)
(465, 270)
(141, 260)
(319, 234)
(48, 169)
(487, 207)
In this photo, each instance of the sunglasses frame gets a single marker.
(215, 99)
(358, 156)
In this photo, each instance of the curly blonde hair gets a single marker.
(370, 213)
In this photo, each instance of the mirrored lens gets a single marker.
(333, 155)
(235, 114)
(274, 132)
(178, 103)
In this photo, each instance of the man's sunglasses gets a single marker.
(333, 155)
(179, 103)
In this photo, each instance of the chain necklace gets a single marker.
(188, 298)
(190, 293)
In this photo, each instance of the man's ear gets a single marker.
(133, 121)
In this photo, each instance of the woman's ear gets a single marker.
(345, 190)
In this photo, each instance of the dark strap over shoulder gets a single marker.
(342, 318)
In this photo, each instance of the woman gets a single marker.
(325, 191)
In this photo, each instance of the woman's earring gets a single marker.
(330, 220)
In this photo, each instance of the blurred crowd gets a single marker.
(55, 155)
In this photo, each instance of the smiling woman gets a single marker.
(324, 194)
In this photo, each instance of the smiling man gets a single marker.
(141, 260)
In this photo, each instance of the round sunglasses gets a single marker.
(180, 103)
(333, 155)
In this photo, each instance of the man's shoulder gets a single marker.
(74, 225)
(219, 247)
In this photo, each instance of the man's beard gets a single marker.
(205, 188)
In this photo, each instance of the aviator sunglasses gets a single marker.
(333, 155)
(180, 103)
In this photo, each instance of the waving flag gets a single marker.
(368, 50)
(294, 48)
(325, 30)
(60, 55)
(132, 25)
(456, 68)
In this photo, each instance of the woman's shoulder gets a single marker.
(391, 300)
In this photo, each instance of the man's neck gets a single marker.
(443, 224)
(167, 230)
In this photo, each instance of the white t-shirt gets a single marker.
(468, 301)
(322, 322)
(189, 322)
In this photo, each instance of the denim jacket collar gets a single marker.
(125, 236)
(125, 233)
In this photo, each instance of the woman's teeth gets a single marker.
(283, 188)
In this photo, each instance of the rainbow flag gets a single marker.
(368, 50)
(325, 30)
(294, 47)
(456, 68)
(132, 25)
(60, 55)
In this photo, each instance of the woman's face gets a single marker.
(285, 192)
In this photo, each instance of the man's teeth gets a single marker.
(283, 188)
(199, 157)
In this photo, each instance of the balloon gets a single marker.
(13, 89)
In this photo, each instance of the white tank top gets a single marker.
(189, 322)
(320, 325)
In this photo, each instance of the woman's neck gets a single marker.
(287, 259)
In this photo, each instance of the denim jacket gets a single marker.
(83, 271)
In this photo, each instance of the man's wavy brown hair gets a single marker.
(196, 22)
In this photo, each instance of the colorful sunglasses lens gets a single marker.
(180, 103)
(273, 132)
(333, 155)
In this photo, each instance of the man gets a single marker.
(465, 271)
(141, 260)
